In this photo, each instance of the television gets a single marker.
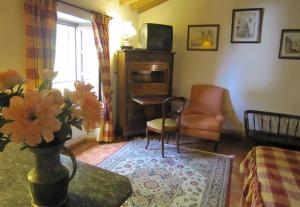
(156, 37)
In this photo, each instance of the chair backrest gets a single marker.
(176, 111)
(207, 99)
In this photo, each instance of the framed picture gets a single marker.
(203, 37)
(290, 44)
(246, 25)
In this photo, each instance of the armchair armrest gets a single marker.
(219, 117)
(188, 111)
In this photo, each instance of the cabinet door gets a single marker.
(135, 115)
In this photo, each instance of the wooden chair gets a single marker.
(169, 123)
(203, 118)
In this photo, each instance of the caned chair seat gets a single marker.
(170, 124)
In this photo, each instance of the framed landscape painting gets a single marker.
(246, 25)
(203, 37)
(290, 44)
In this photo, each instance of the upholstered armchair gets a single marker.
(203, 118)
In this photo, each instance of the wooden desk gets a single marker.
(147, 103)
(90, 187)
(149, 100)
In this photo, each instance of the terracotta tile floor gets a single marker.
(93, 153)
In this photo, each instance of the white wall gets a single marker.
(252, 73)
(12, 36)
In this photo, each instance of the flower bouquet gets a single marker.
(43, 117)
(41, 120)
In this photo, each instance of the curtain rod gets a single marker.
(81, 8)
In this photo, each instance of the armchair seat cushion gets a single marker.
(201, 122)
(170, 124)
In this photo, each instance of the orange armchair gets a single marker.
(203, 117)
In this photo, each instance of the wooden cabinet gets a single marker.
(141, 73)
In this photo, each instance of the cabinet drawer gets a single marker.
(142, 89)
(148, 66)
(150, 57)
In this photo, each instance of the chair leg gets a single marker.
(216, 146)
(147, 136)
(177, 141)
(162, 145)
(167, 136)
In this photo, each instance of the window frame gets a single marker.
(78, 53)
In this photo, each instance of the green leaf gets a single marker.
(77, 125)
(64, 133)
(45, 85)
(3, 143)
(20, 90)
(24, 147)
(2, 122)
(69, 131)
(4, 99)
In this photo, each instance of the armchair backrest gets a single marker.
(206, 99)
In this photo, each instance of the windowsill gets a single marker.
(75, 141)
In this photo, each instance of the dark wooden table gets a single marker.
(90, 187)
(150, 106)
(149, 100)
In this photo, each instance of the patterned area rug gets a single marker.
(189, 179)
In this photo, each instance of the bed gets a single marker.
(272, 178)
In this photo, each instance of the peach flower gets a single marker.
(70, 95)
(91, 111)
(82, 88)
(32, 119)
(76, 112)
(9, 79)
(47, 74)
(89, 105)
(53, 96)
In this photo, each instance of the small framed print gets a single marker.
(203, 37)
(290, 44)
(246, 25)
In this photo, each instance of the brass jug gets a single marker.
(49, 179)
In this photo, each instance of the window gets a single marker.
(76, 56)
(65, 57)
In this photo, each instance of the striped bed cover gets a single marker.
(272, 178)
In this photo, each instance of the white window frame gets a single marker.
(79, 68)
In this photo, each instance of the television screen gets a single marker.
(157, 37)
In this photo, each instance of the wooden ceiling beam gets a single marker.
(144, 5)
(124, 2)
(141, 5)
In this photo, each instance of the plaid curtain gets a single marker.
(100, 28)
(40, 32)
